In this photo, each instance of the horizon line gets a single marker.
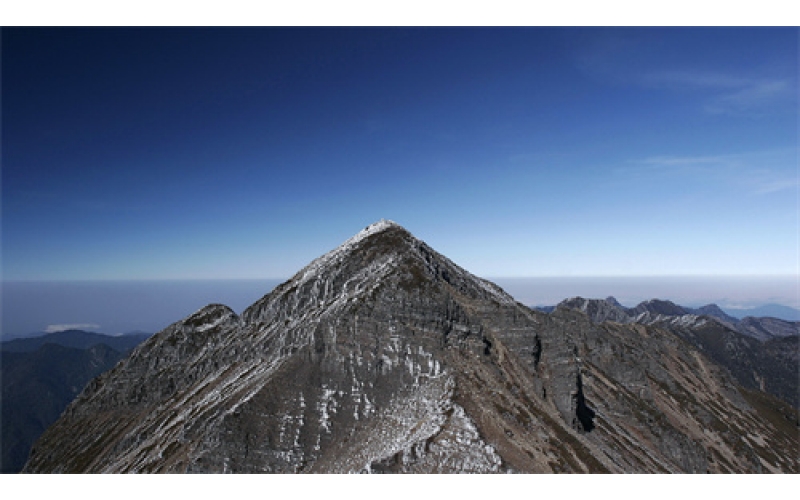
(530, 276)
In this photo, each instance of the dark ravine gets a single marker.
(384, 356)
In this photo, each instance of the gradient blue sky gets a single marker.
(245, 153)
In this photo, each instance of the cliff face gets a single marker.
(384, 356)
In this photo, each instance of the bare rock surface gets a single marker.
(385, 356)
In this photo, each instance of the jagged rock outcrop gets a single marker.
(385, 356)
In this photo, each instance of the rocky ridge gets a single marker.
(664, 311)
(767, 362)
(385, 356)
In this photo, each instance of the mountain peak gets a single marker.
(658, 306)
(382, 254)
(599, 310)
(376, 227)
(342, 252)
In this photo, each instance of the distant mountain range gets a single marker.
(767, 310)
(42, 375)
(777, 311)
(385, 356)
(760, 327)
(78, 339)
(762, 353)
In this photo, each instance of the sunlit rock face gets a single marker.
(383, 356)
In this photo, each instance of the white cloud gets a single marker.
(75, 326)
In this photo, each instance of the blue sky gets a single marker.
(245, 153)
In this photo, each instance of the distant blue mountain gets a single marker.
(785, 313)
(78, 339)
(767, 310)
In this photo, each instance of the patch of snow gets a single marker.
(327, 405)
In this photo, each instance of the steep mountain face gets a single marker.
(384, 356)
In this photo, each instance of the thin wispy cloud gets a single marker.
(775, 186)
(680, 165)
(759, 96)
(72, 326)
(687, 79)
(758, 173)
(677, 161)
(728, 94)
